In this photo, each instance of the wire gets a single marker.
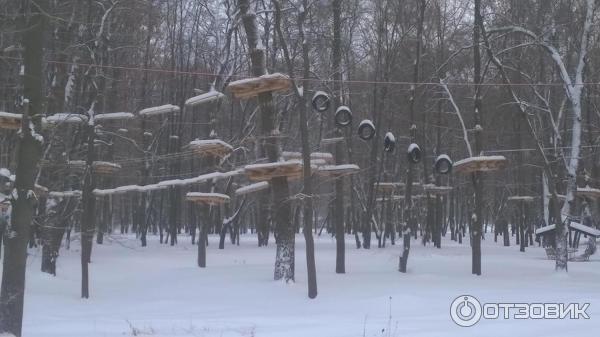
(403, 83)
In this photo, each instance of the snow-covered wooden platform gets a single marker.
(251, 87)
(437, 190)
(207, 198)
(521, 198)
(393, 198)
(159, 110)
(64, 194)
(10, 121)
(545, 229)
(480, 164)
(248, 189)
(40, 191)
(331, 141)
(325, 156)
(337, 170)
(66, 118)
(388, 187)
(210, 147)
(114, 116)
(210, 96)
(104, 167)
(589, 192)
(268, 171)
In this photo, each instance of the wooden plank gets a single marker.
(251, 87)
(207, 198)
(268, 171)
(480, 164)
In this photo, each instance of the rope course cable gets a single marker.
(345, 81)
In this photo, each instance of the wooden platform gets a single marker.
(337, 170)
(248, 189)
(66, 118)
(40, 191)
(65, 194)
(521, 198)
(388, 187)
(10, 121)
(265, 172)
(207, 198)
(159, 110)
(76, 166)
(589, 192)
(331, 141)
(325, 156)
(210, 147)
(210, 96)
(437, 190)
(251, 87)
(105, 168)
(392, 198)
(480, 164)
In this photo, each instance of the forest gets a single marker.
(308, 136)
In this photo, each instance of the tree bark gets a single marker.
(29, 151)
(284, 260)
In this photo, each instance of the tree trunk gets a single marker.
(29, 151)
(284, 261)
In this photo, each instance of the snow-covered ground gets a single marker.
(159, 291)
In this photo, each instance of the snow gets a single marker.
(412, 147)
(64, 194)
(159, 291)
(348, 167)
(159, 110)
(208, 195)
(167, 183)
(114, 116)
(444, 156)
(327, 141)
(4, 172)
(10, 115)
(586, 229)
(366, 122)
(253, 79)
(210, 96)
(106, 163)
(521, 198)
(67, 118)
(252, 188)
(390, 136)
(479, 158)
(272, 165)
(545, 229)
(314, 155)
(200, 142)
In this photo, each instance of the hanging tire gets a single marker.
(321, 101)
(343, 116)
(414, 153)
(389, 142)
(366, 130)
(443, 164)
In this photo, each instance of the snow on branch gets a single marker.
(168, 183)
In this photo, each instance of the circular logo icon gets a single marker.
(465, 310)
